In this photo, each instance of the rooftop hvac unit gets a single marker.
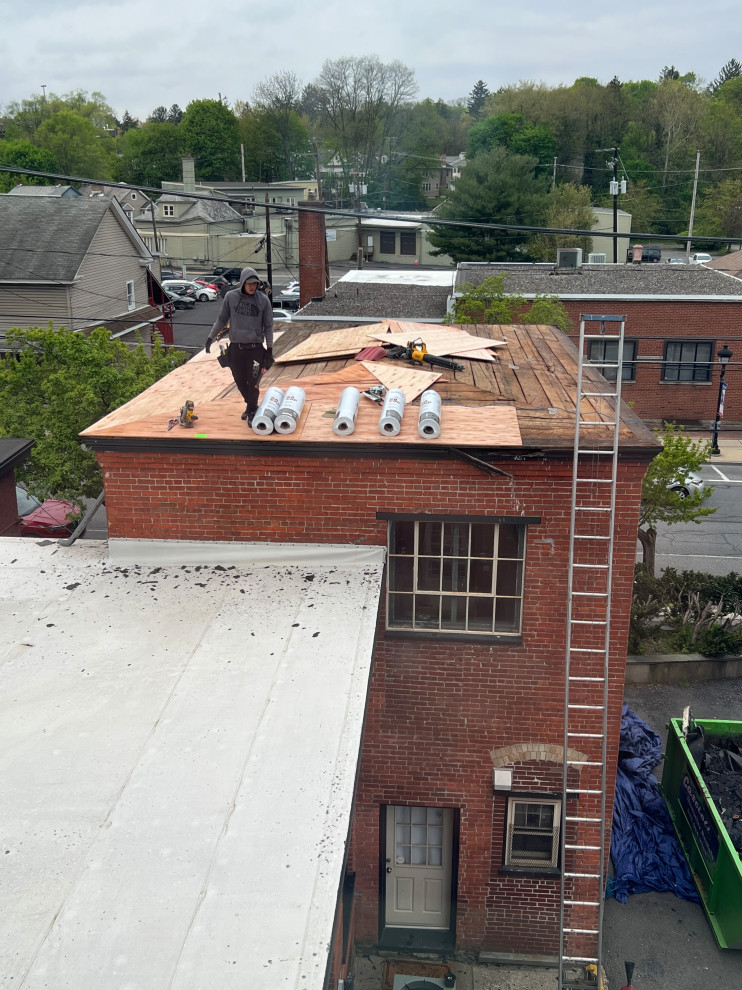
(596, 259)
(569, 257)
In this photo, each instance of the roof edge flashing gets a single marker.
(341, 555)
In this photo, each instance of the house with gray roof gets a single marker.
(58, 191)
(677, 317)
(74, 262)
(373, 294)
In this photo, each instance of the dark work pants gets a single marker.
(245, 362)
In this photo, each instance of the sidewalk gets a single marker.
(730, 445)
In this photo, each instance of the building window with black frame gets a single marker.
(532, 840)
(408, 242)
(605, 352)
(687, 361)
(387, 242)
(456, 577)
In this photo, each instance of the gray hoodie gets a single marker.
(250, 317)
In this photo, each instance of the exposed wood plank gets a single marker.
(331, 344)
(412, 381)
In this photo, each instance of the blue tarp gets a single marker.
(644, 848)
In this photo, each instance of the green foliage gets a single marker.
(731, 70)
(514, 132)
(75, 143)
(149, 155)
(23, 154)
(679, 453)
(477, 99)
(211, 134)
(496, 187)
(720, 210)
(568, 207)
(56, 384)
(488, 303)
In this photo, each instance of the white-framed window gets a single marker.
(168, 210)
(532, 840)
(130, 297)
(456, 576)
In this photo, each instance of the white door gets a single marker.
(419, 843)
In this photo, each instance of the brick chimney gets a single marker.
(312, 253)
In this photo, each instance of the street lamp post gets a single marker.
(724, 355)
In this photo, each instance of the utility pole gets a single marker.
(242, 160)
(692, 209)
(358, 212)
(553, 175)
(615, 206)
(268, 264)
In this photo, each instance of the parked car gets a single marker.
(205, 291)
(700, 258)
(650, 254)
(687, 483)
(185, 288)
(53, 517)
(170, 273)
(290, 295)
(676, 261)
(281, 316)
(216, 280)
(232, 275)
(180, 301)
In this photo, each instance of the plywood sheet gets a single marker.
(333, 343)
(461, 426)
(481, 355)
(412, 381)
(439, 340)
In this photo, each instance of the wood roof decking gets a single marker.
(536, 373)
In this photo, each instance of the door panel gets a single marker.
(419, 843)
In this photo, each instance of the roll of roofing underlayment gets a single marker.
(290, 411)
(345, 418)
(429, 420)
(267, 410)
(392, 412)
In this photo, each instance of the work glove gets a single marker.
(268, 361)
(208, 345)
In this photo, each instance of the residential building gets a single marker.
(55, 192)
(437, 181)
(372, 294)
(468, 673)
(677, 318)
(132, 201)
(78, 263)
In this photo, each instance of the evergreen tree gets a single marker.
(127, 122)
(158, 116)
(174, 114)
(477, 97)
(729, 71)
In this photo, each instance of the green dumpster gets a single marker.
(714, 862)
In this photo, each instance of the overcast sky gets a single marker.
(143, 53)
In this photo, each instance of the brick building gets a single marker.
(677, 318)
(469, 661)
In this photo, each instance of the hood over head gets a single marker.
(248, 275)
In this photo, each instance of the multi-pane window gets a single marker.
(168, 210)
(387, 242)
(456, 577)
(408, 242)
(130, 297)
(605, 352)
(688, 361)
(418, 836)
(532, 833)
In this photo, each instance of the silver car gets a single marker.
(687, 484)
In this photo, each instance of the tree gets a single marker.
(678, 110)
(149, 155)
(720, 210)
(211, 134)
(61, 382)
(568, 206)
(127, 122)
(174, 114)
(158, 116)
(75, 143)
(279, 96)
(23, 154)
(731, 70)
(512, 131)
(488, 303)
(495, 187)
(660, 504)
(477, 99)
(361, 99)
(643, 205)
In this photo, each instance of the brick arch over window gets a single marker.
(529, 751)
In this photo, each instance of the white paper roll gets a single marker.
(290, 411)
(429, 420)
(390, 422)
(345, 418)
(263, 420)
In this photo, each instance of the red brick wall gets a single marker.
(312, 250)
(436, 709)
(655, 322)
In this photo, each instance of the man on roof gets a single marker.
(250, 317)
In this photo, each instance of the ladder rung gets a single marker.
(584, 876)
(598, 422)
(579, 931)
(584, 848)
(587, 649)
(589, 594)
(587, 450)
(602, 567)
(586, 735)
(595, 481)
(581, 790)
(579, 677)
(588, 708)
(601, 336)
(592, 959)
(577, 818)
(603, 395)
(585, 536)
(584, 763)
(592, 508)
(588, 622)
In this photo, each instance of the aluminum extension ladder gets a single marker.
(590, 582)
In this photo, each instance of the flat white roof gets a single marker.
(178, 751)
(402, 276)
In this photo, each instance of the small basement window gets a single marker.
(533, 833)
